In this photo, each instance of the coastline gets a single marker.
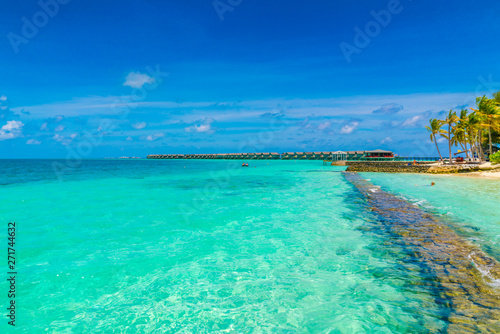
(485, 170)
(493, 175)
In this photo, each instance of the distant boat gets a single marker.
(244, 165)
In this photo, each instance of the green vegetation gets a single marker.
(495, 158)
(435, 129)
(474, 132)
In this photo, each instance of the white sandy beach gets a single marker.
(483, 174)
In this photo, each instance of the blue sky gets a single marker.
(106, 79)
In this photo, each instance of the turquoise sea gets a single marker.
(201, 246)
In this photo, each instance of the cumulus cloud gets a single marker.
(413, 121)
(278, 115)
(139, 125)
(59, 128)
(154, 137)
(201, 126)
(58, 137)
(349, 128)
(324, 126)
(64, 140)
(130, 139)
(33, 142)
(386, 140)
(389, 108)
(137, 80)
(11, 130)
(3, 98)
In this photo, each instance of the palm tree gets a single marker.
(461, 131)
(435, 129)
(474, 130)
(496, 98)
(489, 113)
(450, 120)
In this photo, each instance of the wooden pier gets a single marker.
(337, 157)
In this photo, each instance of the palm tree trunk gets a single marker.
(437, 147)
(449, 140)
(489, 135)
(466, 150)
(481, 156)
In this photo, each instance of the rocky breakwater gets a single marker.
(452, 169)
(386, 167)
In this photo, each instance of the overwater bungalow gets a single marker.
(275, 156)
(251, 156)
(318, 156)
(355, 155)
(378, 155)
(300, 155)
(309, 155)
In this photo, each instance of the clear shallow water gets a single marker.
(206, 246)
(470, 205)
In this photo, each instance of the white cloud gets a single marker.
(73, 135)
(201, 126)
(413, 121)
(33, 142)
(386, 140)
(227, 110)
(139, 125)
(325, 125)
(349, 128)
(12, 126)
(3, 98)
(59, 128)
(389, 108)
(154, 137)
(441, 140)
(44, 126)
(63, 140)
(11, 130)
(137, 80)
(58, 137)
(130, 138)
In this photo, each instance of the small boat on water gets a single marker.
(244, 165)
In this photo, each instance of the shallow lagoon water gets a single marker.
(207, 246)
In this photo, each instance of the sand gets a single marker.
(483, 174)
